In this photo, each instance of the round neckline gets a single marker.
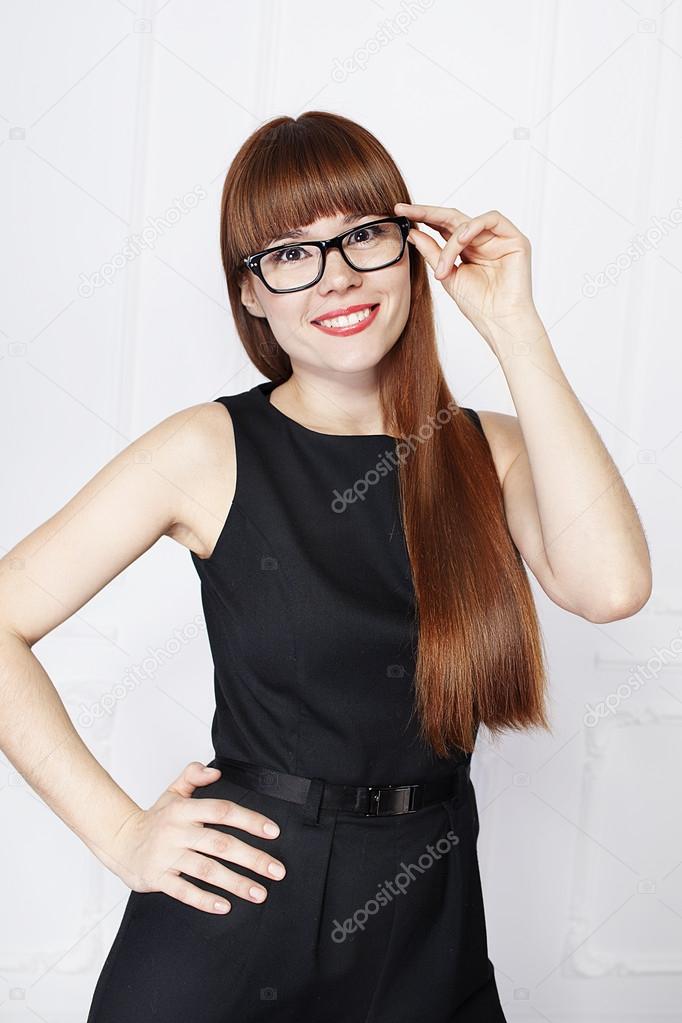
(267, 387)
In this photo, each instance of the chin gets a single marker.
(357, 354)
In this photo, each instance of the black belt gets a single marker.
(366, 800)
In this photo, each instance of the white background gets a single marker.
(565, 116)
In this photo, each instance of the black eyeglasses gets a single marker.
(366, 247)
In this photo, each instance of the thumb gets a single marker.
(427, 246)
(194, 775)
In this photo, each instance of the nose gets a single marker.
(337, 272)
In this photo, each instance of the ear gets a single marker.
(248, 296)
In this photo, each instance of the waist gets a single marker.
(364, 800)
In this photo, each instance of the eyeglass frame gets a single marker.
(253, 262)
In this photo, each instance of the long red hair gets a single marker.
(480, 656)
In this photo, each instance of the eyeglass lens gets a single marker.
(367, 248)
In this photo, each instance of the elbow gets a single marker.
(622, 605)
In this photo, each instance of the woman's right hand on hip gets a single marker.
(153, 847)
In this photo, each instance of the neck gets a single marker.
(330, 407)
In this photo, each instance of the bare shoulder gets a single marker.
(504, 437)
(176, 480)
(203, 466)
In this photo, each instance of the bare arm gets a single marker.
(567, 507)
(120, 513)
(177, 479)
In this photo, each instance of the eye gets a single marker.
(365, 235)
(282, 255)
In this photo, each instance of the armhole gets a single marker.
(475, 418)
(229, 516)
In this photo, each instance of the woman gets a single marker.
(359, 544)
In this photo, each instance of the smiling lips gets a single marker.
(348, 321)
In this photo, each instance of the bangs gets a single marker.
(304, 171)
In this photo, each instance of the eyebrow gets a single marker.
(300, 233)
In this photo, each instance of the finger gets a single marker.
(219, 876)
(477, 232)
(452, 249)
(492, 222)
(194, 774)
(444, 232)
(225, 811)
(188, 893)
(226, 846)
(434, 216)
(426, 245)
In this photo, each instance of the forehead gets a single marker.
(324, 226)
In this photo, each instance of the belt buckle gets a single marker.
(400, 799)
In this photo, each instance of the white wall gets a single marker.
(564, 115)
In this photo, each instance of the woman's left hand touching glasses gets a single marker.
(492, 284)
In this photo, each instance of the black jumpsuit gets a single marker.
(308, 602)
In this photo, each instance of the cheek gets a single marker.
(398, 288)
(287, 318)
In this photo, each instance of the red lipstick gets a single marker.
(354, 328)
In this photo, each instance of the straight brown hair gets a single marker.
(480, 655)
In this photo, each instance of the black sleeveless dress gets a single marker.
(309, 605)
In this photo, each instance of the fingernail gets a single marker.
(271, 829)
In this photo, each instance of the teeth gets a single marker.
(346, 321)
